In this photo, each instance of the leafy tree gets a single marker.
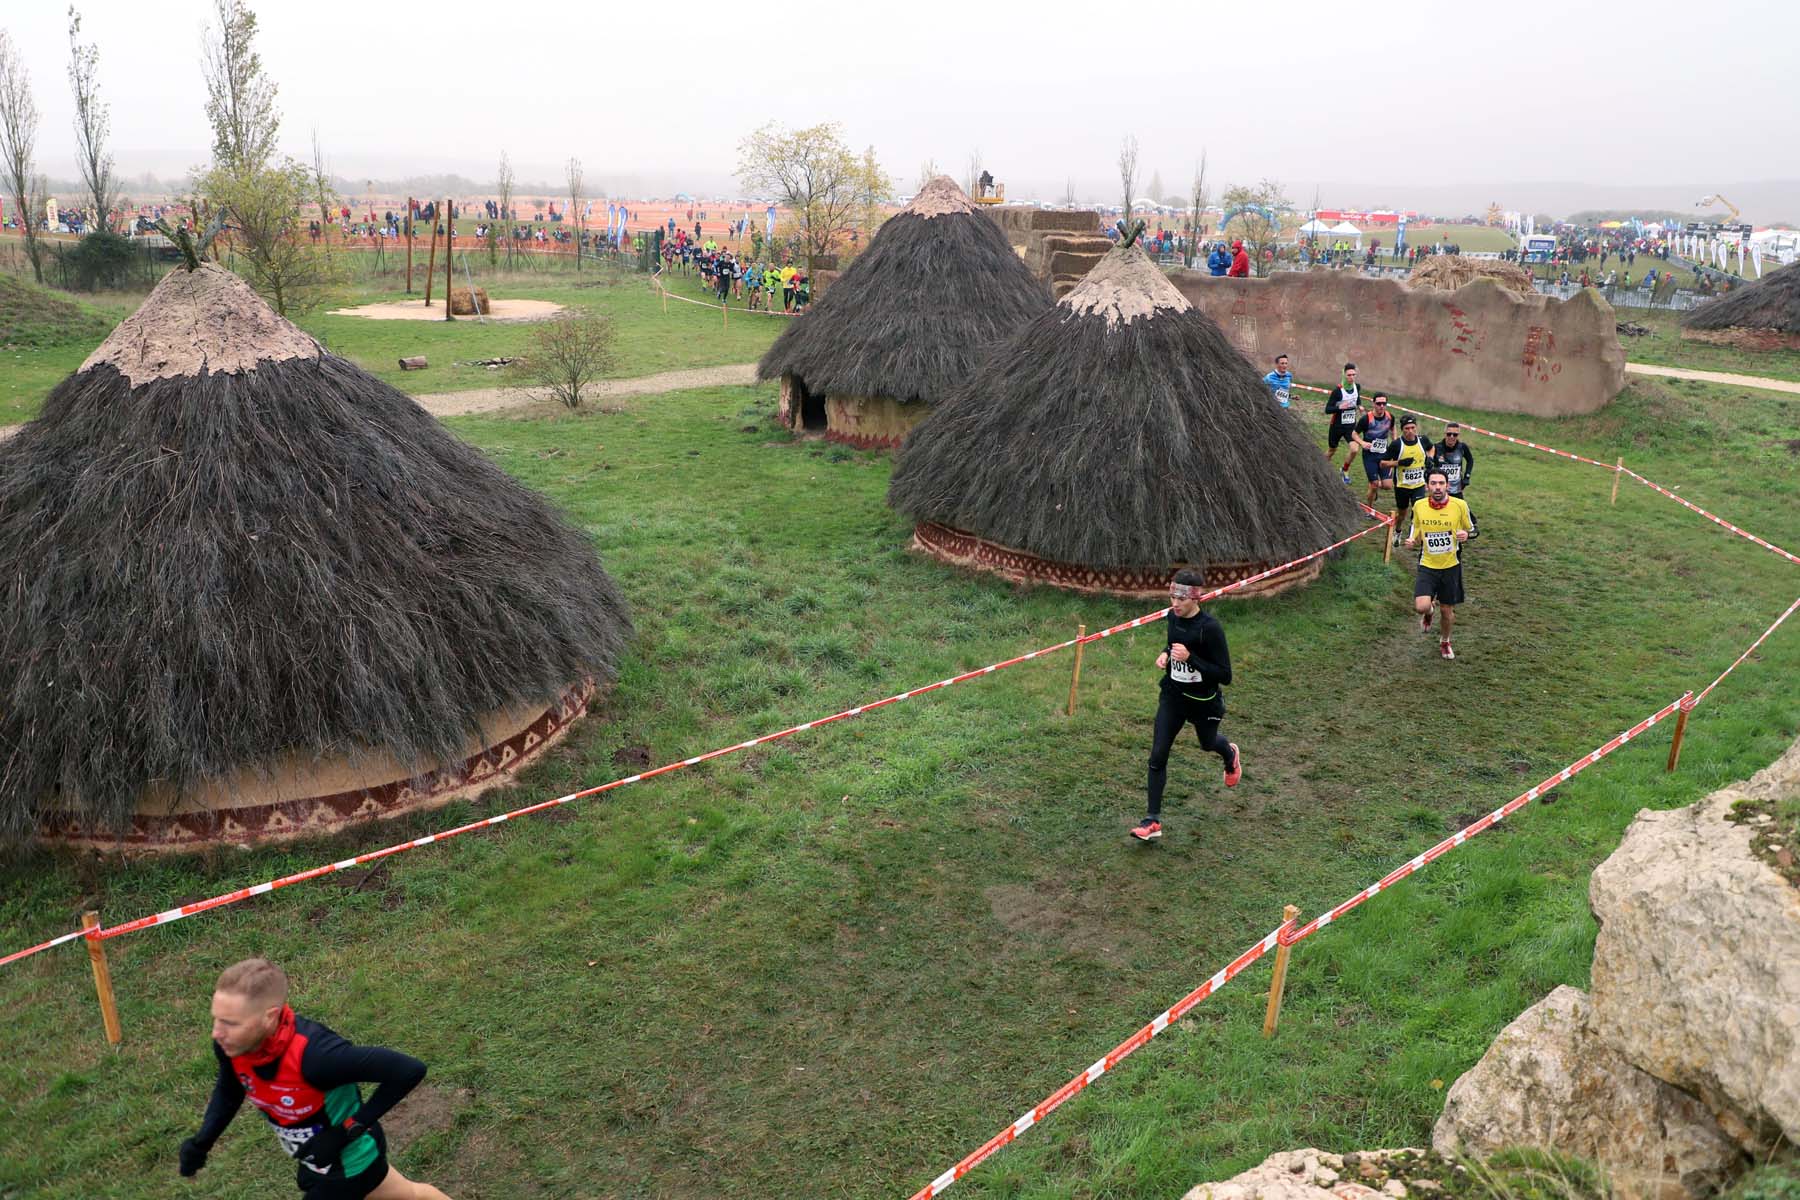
(18, 148)
(1257, 224)
(93, 122)
(821, 183)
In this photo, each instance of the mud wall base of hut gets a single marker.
(870, 422)
(961, 549)
(262, 807)
(1744, 338)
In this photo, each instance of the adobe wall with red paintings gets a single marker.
(1478, 347)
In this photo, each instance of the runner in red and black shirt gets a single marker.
(304, 1078)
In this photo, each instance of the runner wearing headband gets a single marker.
(1196, 665)
(304, 1079)
(1408, 459)
(1374, 430)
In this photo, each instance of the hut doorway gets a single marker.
(812, 408)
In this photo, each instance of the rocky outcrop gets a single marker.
(1685, 1060)
(1317, 1175)
(1697, 968)
(1550, 1081)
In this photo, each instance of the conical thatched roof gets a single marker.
(909, 319)
(1772, 302)
(1122, 429)
(221, 544)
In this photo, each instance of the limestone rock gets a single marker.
(1305, 1175)
(1550, 1082)
(1696, 973)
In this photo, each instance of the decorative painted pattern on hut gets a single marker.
(961, 549)
(1114, 439)
(256, 593)
(907, 321)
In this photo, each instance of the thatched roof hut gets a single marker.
(907, 321)
(251, 592)
(1764, 315)
(1115, 438)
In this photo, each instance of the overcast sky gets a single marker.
(1378, 100)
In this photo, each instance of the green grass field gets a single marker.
(851, 957)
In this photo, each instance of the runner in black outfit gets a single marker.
(304, 1079)
(1196, 665)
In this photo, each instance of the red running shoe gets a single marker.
(1445, 650)
(1235, 771)
(1147, 830)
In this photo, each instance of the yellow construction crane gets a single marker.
(1708, 201)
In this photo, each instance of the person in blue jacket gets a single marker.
(1281, 380)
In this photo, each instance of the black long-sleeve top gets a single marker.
(1209, 660)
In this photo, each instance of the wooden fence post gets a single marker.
(449, 240)
(1075, 679)
(409, 233)
(1687, 706)
(431, 262)
(1278, 984)
(109, 1005)
(1618, 473)
(1388, 535)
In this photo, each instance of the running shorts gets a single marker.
(1443, 584)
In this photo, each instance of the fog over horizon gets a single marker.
(1434, 107)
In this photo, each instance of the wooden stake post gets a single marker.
(431, 263)
(1075, 680)
(109, 1005)
(1618, 473)
(1278, 984)
(1687, 705)
(449, 240)
(1387, 538)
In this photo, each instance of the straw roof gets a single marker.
(1772, 302)
(912, 315)
(1123, 429)
(1447, 272)
(222, 544)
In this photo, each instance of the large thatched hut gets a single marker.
(1117, 437)
(1764, 315)
(252, 592)
(907, 321)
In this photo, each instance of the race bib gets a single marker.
(1377, 445)
(1412, 477)
(1347, 417)
(1183, 672)
(1453, 473)
(292, 1137)
(1281, 394)
(1440, 541)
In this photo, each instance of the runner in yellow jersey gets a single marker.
(1441, 522)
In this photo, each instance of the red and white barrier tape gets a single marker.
(754, 312)
(1594, 462)
(1284, 934)
(233, 897)
(1707, 690)
(1118, 1054)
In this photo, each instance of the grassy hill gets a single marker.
(851, 956)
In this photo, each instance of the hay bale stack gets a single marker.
(1447, 272)
(463, 304)
(1764, 315)
(236, 562)
(1115, 438)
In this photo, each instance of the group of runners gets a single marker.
(762, 285)
(1427, 481)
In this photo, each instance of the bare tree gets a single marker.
(93, 122)
(574, 176)
(1157, 195)
(503, 185)
(1196, 208)
(1128, 169)
(569, 353)
(1069, 192)
(323, 193)
(974, 172)
(240, 98)
(928, 171)
(18, 147)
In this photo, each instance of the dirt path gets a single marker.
(483, 400)
(1751, 381)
